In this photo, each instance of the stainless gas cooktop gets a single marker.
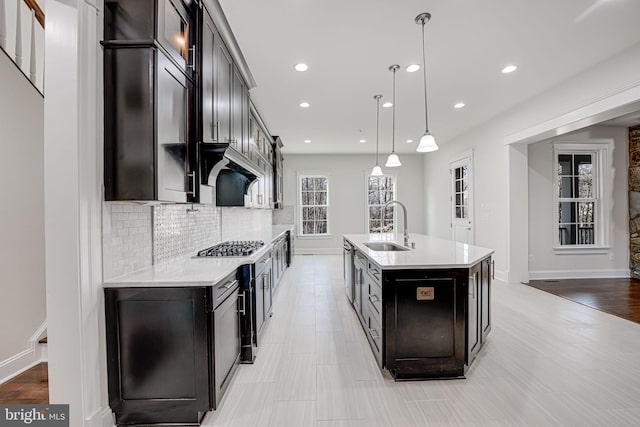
(237, 248)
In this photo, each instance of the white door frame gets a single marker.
(517, 201)
(462, 158)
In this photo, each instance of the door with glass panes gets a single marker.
(462, 200)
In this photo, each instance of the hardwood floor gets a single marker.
(548, 362)
(31, 386)
(620, 297)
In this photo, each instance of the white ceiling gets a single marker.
(349, 45)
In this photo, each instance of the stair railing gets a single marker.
(22, 38)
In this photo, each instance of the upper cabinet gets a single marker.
(179, 123)
(149, 96)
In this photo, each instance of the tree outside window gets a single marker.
(314, 205)
(380, 190)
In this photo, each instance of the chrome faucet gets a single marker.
(404, 209)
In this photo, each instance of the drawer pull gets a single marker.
(371, 298)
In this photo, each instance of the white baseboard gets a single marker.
(100, 418)
(318, 251)
(18, 363)
(500, 275)
(578, 274)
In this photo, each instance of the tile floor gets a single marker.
(548, 362)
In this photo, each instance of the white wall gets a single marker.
(347, 197)
(606, 79)
(543, 260)
(22, 275)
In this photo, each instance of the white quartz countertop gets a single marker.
(189, 271)
(430, 252)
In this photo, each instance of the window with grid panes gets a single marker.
(314, 205)
(380, 190)
(461, 192)
(580, 210)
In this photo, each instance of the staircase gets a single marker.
(22, 38)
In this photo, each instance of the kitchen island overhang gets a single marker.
(426, 310)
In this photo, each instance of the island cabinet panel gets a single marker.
(474, 310)
(485, 297)
(425, 323)
(157, 352)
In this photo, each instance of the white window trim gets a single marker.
(367, 174)
(312, 174)
(601, 148)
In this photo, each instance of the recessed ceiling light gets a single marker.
(307, 141)
(459, 105)
(387, 104)
(509, 69)
(301, 67)
(362, 141)
(409, 141)
(305, 104)
(412, 68)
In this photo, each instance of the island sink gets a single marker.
(384, 247)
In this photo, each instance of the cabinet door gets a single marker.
(485, 298)
(267, 292)
(226, 332)
(259, 290)
(473, 312)
(237, 94)
(223, 79)
(172, 111)
(424, 323)
(246, 130)
(174, 30)
(157, 354)
(209, 36)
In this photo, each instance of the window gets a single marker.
(461, 191)
(579, 190)
(314, 205)
(380, 190)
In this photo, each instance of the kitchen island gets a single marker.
(425, 309)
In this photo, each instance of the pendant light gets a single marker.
(393, 161)
(427, 142)
(377, 171)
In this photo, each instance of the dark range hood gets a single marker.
(228, 172)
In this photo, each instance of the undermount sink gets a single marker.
(384, 247)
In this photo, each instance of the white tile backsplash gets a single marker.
(138, 236)
(127, 238)
(183, 229)
(245, 224)
(286, 215)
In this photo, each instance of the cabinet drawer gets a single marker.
(375, 300)
(374, 271)
(359, 258)
(374, 334)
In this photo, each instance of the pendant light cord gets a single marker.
(424, 73)
(393, 125)
(377, 126)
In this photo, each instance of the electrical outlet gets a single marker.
(530, 257)
(611, 257)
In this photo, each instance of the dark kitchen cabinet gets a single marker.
(149, 100)
(473, 313)
(485, 297)
(157, 354)
(425, 322)
(278, 174)
(239, 139)
(208, 83)
(171, 351)
(263, 282)
(359, 268)
(223, 86)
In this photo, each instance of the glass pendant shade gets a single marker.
(427, 144)
(377, 171)
(393, 161)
